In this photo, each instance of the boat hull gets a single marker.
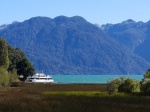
(41, 81)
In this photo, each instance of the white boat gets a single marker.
(40, 78)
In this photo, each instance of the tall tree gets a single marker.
(15, 55)
(4, 60)
(25, 68)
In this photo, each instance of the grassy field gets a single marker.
(68, 98)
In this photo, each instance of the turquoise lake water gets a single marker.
(68, 79)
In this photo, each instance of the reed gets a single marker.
(69, 98)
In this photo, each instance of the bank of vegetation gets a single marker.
(130, 86)
(13, 63)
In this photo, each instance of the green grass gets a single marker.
(69, 98)
(77, 93)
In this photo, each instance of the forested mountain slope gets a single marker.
(71, 45)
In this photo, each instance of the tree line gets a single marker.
(128, 85)
(13, 63)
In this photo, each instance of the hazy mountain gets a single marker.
(143, 48)
(129, 33)
(3, 26)
(135, 35)
(72, 45)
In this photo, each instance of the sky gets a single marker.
(94, 11)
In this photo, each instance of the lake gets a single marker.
(68, 79)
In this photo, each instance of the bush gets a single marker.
(4, 77)
(127, 86)
(145, 88)
(147, 74)
(4, 60)
(145, 83)
(113, 85)
(123, 84)
(14, 76)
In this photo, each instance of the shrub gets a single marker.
(14, 76)
(145, 88)
(127, 86)
(147, 74)
(4, 77)
(4, 60)
(145, 83)
(113, 85)
(123, 84)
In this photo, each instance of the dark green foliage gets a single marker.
(145, 83)
(145, 88)
(4, 77)
(112, 86)
(71, 45)
(127, 86)
(25, 68)
(123, 84)
(14, 76)
(4, 60)
(19, 64)
(9, 59)
(15, 55)
(147, 74)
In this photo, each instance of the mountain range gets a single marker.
(72, 45)
(134, 35)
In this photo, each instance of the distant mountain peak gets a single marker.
(38, 18)
(78, 19)
(128, 21)
(64, 19)
(61, 19)
(97, 25)
(106, 26)
(3, 26)
(14, 22)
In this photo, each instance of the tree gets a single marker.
(4, 77)
(4, 60)
(145, 88)
(113, 85)
(127, 86)
(13, 62)
(147, 74)
(25, 68)
(145, 83)
(123, 84)
(15, 55)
